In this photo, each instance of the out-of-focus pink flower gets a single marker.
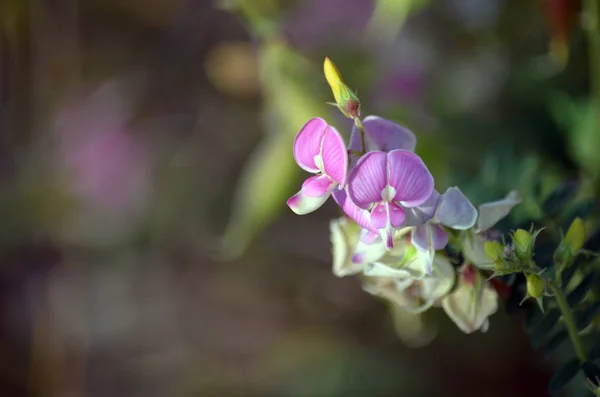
(104, 164)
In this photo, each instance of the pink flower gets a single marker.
(385, 184)
(319, 149)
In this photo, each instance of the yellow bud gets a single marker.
(575, 235)
(346, 100)
(493, 250)
(523, 245)
(333, 79)
(535, 285)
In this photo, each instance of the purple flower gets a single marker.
(383, 135)
(319, 149)
(452, 209)
(385, 184)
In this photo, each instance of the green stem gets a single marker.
(569, 321)
(361, 130)
(592, 10)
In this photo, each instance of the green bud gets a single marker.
(570, 245)
(493, 250)
(575, 235)
(535, 285)
(523, 244)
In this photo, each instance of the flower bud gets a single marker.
(523, 245)
(575, 235)
(345, 99)
(535, 285)
(493, 250)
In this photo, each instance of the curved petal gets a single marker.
(358, 215)
(368, 179)
(469, 310)
(491, 213)
(455, 210)
(334, 156)
(307, 144)
(441, 280)
(386, 217)
(380, 269)
(410, 178)
(383, 135)
(421, 235)
(306, 200)
(419, 215)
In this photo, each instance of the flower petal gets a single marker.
(380, 269)
(421, 235)
(455, 210)
(383, 135)
(441, 280)
(419, 215)
(475, 253)
(368, 179)
(335, 156)
(307, 144)
(491, 213)
(359, 215)
(409, 177)
(468, 310)
(317, 185)
(305, 201)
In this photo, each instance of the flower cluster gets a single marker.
(396, 224)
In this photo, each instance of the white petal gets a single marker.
(469, 311)
(491, 213)
(474, 252)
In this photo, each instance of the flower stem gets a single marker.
(361, 130)
(591, 14)
(569, 321)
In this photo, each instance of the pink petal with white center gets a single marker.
(409, 176)
(303, 203)
(368, 179)
(307, 144)
(358, 215)
(455, 210)
(334, 156)
(317, 185)
(386, 217)
(383, 135)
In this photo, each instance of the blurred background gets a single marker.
(145, 159)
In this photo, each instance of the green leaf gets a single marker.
(577, 295)
(556, 341)
(563, 376)
(271, 173)
(559, 198)
(585, 318)
(592, 372)
(544, 328)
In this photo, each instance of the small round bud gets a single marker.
(523, 244)
(493, 250)
(535, 285)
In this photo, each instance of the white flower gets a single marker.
(412, 294)
(350, 254)
(489, 214)
(472, 302)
